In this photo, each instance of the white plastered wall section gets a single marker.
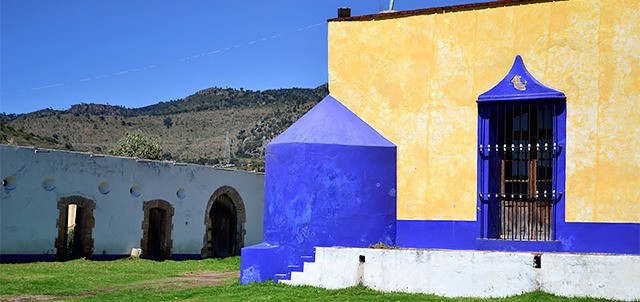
(28, 212)
(473, 273)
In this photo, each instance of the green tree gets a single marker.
(168, 122)
(137, 144)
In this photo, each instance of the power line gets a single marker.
(200, 55)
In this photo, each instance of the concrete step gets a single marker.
(295, 269)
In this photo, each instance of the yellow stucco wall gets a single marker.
(416, 78)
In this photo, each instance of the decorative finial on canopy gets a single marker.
(519, 84)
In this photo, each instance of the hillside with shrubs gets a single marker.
(224, 127)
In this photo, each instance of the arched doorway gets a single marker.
(156, 230)
(224, 219)
(75, 228)
(223, 227)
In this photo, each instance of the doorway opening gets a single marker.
(224, 219)
(223, 227)
(75, 227)
(156, 230)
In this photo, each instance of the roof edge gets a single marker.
(438, 10)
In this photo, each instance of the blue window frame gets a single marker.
(521, 137)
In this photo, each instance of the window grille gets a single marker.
(520, 153)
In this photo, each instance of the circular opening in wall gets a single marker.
(135, 191)
(181, 193)
(48, 184)
(9, 183)
(103, 187)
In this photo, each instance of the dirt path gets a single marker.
(185, 281)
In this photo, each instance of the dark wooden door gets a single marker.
(223, 228)
(156, 234)
(68, 235)
(77, 246)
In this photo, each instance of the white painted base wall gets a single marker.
(473, 273)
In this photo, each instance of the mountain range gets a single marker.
(215, 126)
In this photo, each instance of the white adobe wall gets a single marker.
(28, 212)
(594, 275)
(473, 273)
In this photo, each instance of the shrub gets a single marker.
(137, 144)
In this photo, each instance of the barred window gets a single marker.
(520, 154)
(521, 131)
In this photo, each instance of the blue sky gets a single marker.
(137, 53)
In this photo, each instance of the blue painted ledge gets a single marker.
(186, 257)
(107, 257)
(24, 258)
(573, 237)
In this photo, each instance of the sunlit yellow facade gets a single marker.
(415, 78)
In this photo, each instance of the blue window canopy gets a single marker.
(519, 84)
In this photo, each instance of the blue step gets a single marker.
(278, 277)
(294, 268)
(311, 258)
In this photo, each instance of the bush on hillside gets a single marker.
(137, 144)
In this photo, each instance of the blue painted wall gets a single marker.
(330, 181)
